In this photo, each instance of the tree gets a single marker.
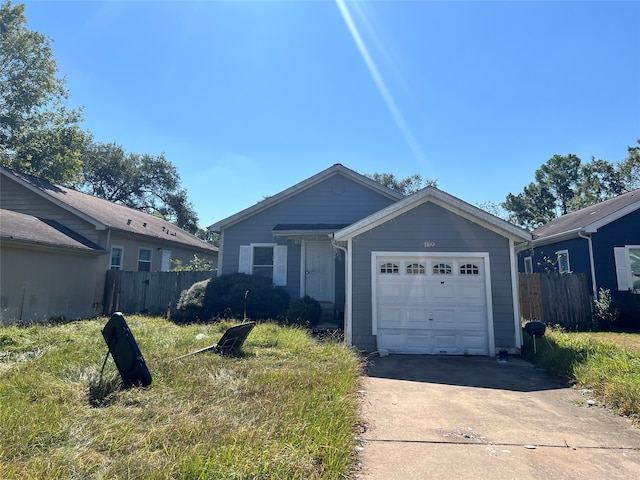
(494, 208)
(405, 186)
(145, 182)
(563, 184)
(599, 180)
(208, 236)
(629, 169)
(533, 207)
(550, 196)
(560, 176)
(39, 134)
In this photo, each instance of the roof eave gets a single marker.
(299, 187)
(442, 199)
(593, 227)
(557, 237)
(206, 247)
(22, 243)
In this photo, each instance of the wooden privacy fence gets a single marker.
(555, 298)
(155, 293)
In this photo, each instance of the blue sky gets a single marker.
(249, 98)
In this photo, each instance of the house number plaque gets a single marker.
(429, 244)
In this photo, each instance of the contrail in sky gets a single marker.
(380, 83)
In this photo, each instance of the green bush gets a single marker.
(236, 295)
(189, 307)
(605, 313)
(304, 311)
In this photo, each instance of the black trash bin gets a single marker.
(535, 328)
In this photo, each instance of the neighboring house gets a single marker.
(427, 273)
(602, 241)
(56, 245)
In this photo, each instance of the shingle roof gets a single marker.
(110, 214)
(591, 218)
(26, 228)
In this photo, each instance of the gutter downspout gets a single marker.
(591, 263)
(515, 295)
(347, 288)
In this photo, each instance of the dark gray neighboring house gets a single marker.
(424, 274)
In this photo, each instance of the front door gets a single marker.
(318, 271)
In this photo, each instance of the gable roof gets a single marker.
(299, 187)
(443, 199)
(27, 229)
(589, 219)
(108, 215)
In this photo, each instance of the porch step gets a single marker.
(329, 318)
(328, 312)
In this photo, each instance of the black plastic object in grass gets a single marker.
(230, 343)
(125, 352)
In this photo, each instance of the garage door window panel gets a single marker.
(469, 269)
(390, 268)
(442, 269)
(415, 269)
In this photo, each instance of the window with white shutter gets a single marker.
(266, 259)
(627, 260)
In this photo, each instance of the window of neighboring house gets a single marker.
(528, 265)
(116, 258)
(266, 259)
(563, 261)
(144, 260)
(627, 261)
(634, 260)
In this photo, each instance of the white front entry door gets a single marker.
(319, 271)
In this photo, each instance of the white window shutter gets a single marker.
(244, 263)
(280, 265)
(623, 268)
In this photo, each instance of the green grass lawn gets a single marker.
(286, 409)
(605, 362)
(630, 341)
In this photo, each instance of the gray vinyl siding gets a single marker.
(19, 199)
(337, 199)
(451, 233)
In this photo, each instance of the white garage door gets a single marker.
(431, 304)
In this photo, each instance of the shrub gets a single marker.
(196, 264)
(605, 313)
(304, 311)
(189, 307)
(236, 295)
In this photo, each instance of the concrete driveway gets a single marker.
(477, 418)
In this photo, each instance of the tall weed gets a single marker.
(612, 371)
(285, 408)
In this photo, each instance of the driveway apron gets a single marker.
(478, 418)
